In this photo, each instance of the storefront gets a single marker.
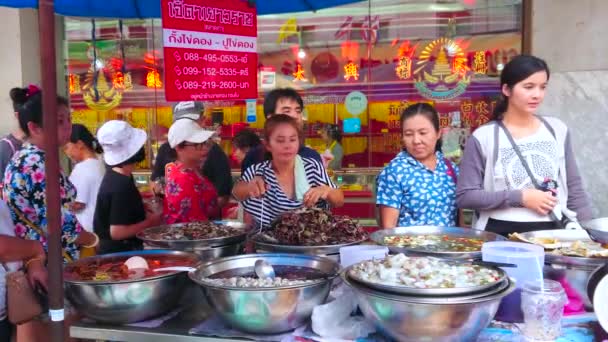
(356, 66)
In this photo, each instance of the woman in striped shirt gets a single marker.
(286, 181)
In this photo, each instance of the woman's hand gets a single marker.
(314, 195)
(541, 202)
(37, 274)
(256, 187)
(154, 219)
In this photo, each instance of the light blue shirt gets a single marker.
(422, 196)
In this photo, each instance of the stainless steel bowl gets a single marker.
(437, 319)
(128, 301)
(378, 238)
(262, 244)
(210, 253)
(266, 310)
(186, 244)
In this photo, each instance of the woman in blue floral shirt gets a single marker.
(25, 181)
(418, 187)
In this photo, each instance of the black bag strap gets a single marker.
(524, 163)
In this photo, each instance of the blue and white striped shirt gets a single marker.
(274, 201)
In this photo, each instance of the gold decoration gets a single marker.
(153, 79)
(404, 68)
(480, 63)
(288, 29)
(106, 97)
(298, 75)
(74, 83)
(351, 70)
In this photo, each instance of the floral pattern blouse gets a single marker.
(189, 196)
(24, 191)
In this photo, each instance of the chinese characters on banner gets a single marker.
(210, 50)
(476, 113)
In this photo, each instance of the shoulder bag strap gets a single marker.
(451, 171)
(10, 143)
(39, 231)
(525, 165)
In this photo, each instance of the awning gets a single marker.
(151, 8)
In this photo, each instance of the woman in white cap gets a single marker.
(120, 212)
(189, 195)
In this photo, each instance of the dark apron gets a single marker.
(505, 228)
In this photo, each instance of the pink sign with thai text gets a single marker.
(210, 50)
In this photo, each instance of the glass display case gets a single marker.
(356, 66)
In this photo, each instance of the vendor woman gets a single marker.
(120, 212)
(189, 195)
(418, 187)
(287, 181)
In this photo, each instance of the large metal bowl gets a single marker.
(437, 319)
(266, 310)
(191, 245)
(378, 238)
(597, 229)
(262, 245)
(128, 301)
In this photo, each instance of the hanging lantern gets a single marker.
(350, 50)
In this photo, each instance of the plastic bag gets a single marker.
(334, 320)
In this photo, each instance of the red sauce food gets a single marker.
(115, 269)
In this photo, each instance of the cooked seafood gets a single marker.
(252, 282)
(193, 231)
(313, 227)
(579, 248)
(423, 272)
(116, 270)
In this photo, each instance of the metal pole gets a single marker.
(46, 25)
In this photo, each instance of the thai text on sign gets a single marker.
(210, 50)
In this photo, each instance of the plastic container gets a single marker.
(351, 255)
(530, 260)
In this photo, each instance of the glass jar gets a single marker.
(542, 304)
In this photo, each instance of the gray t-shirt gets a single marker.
(8, 146)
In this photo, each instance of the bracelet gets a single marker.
(94, 244)
(27, 263)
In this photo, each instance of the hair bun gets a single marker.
(18, 95)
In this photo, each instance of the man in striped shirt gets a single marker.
(281, 101)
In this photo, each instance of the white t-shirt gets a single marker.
(86, 177)
(6, 228)
(541, 153)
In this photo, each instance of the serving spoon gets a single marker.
(263, 269)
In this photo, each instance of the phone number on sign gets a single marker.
(211, 85)
(214, 58)
(194, 71)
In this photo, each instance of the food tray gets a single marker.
(193, 244)
(566, 235)
(266, 246)
(413, 291)
(378, 238)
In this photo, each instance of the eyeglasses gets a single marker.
(197, 146)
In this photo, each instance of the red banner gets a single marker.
(210, 50)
